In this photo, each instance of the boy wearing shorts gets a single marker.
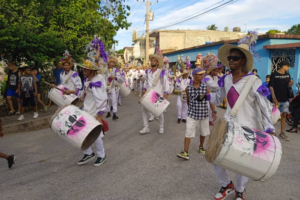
(197, 113)
(12, 91)
(27, 91)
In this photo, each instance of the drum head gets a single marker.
(216, 139)
(92, 137)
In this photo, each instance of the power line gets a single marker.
(161, 5)
(177, 6)
(187, 19)
(135, 12)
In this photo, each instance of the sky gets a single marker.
(259, 15)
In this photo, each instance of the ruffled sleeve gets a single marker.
(263, 90)
(77, 81)
(162, 73)
(222, 80)
(95, 84)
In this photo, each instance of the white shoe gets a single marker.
(35, 115)
(161, 131)
(145, 130)
(151, 119)
(120, 104)
(21, 117)
(157, 118)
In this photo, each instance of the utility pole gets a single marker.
(147, 34)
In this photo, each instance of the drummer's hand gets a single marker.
(99, 118)
(52, 85)
(144, 91)
(214, 116)
(274, 134)
(67, 92)
(113, 77)
(108, 84)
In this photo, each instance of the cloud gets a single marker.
(259, 14)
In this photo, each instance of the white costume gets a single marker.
(95, 101)
(124, 78)
(138, 86)
(212, 83)
(182, 107)
(246, 116)
(133, 79)
(112, 97)
(162, 88)
(128, 77)
(71, 80)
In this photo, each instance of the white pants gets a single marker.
(112, 100)
(120, 99)
(182, 108)
(224, 179)
(209, 112)
(141, 88)
(99, 148)
(145, 119)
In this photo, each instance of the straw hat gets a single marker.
(113, 59)
(89, 63)
(245, 44)
(184, 72)
(158, 58)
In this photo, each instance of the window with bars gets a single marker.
(278, 55)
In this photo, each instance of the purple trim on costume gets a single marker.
(75, 74)
(264, 90)
(85, 79)
(100, 113)
(116, 78)
(162, 73)
(122, 74)
(146, 71)
(208, 97)
(96, 84)
(178, 80)
(222, 80)
(117, 70)
(166, 92)
(191, 81)
(269, 130)
(232, 96)
(205, 79)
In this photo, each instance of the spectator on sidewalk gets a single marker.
(37, 78)
(56, 73)
(27, 92)
(255, 72)
(267, 85)
(12, 88)
(10, 158)
(279, 83)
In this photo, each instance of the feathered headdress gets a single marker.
(210, 62)
(188, 63)
(67, 58)
(250, 40)
(181, 63)
(166, 62)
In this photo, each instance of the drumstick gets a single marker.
(54, 86)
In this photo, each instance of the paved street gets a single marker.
(137, 167)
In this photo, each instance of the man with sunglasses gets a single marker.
(279, 85)
(240, 61)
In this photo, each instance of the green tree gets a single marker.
(295, 30)
(121, 51)
(273, 31)
(39, 31)
(212, 27)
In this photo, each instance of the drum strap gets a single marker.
(156, 78)
(68, 76)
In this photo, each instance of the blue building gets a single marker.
(272, 49)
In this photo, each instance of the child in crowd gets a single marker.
(27, 91)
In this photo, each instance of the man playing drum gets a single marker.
(94, 102)
(162, 87)
(181, 84)
(197, 113)
(69, 78)
(240, 61)
(113, 78)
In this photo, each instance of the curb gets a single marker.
(37, 124)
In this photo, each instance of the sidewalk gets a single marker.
(12, 125)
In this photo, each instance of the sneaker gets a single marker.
(211, 123)
(45, 108)
(21, 117)
(144, 130)
(292, 130)
(108, 115)
(284, 137)
(99, 161)
(201, 150)
(157, 118)
(120, 104)
(184, 121)
(151, 119)
(115, 117)
(239, 195)
(184, 155)
(178, 121)
(35, 115)
(11, 113)
(17, 113)
(86, 158)
(161, 131)
(11, 161)
(225, 191)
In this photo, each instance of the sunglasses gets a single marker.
(234, 58)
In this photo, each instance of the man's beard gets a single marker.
(153, 65)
